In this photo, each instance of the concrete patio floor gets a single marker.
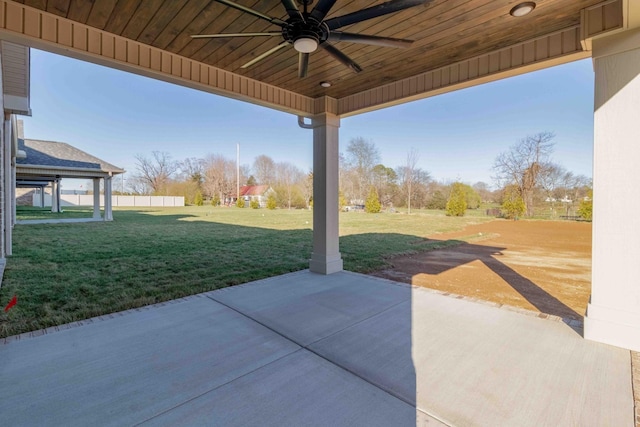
(306, 349)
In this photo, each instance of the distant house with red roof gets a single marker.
(256, 192)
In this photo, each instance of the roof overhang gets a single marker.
(38, 28)
(29, 171)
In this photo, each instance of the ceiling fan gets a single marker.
(307, 31)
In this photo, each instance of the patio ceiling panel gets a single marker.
(452, 38)
(39, 29)
(552, 49)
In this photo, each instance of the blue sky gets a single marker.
(115, 115)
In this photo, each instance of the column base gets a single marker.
(612, 326)
(325, 264)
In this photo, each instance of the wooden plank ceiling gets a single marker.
(444, 31)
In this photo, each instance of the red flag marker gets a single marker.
(13, 302)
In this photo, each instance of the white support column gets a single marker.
(613, 313)
(42, 197)
(325, 258)
(58, 196)
(108, 211)
(14, 209)
(7, 209)
(54, 207)
(96, 198)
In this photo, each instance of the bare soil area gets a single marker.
(536, 265)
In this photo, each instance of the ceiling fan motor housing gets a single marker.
(311, 29)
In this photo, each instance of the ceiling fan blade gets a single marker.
(264, 55)
(373, 12)
(292, 9)
(322, 8)
(331, 50)
(219, 36)
(339, 36)
(253, 12)
(303, 64)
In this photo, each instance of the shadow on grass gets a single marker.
(67, 272)
(25, 213)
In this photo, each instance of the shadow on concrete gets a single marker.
(460, 253)
(303, 349)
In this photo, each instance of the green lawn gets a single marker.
(33, 212)
(66, 272)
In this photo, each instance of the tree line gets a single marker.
(214, 179)
(528, 182)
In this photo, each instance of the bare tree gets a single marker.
(409, 174)
(155, 172)
(219, 177)
(575, 187)
(288, 176)
(137, 185)
(483, 190)
(551, 182)
(264, 170)
(362, 156)
(522, 165)
(385, 181)
(307, 189)
(192, 169)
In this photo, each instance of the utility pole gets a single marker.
(237, 171)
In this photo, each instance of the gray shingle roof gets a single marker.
(60, 154)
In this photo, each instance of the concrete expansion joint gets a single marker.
(216, 388)
(574, 324)
(307, 347)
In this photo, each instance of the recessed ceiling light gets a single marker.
(325, 84)
(522, 9)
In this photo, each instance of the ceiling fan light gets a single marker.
(522, 9)
(305, 44)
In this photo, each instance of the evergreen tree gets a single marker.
(271, 202)
(457, 203)
(372, 204)
(198, 200)
(437, 201)
(240, 202)
(586, 207)
(254, 204)
(513, 204)
(342, 201)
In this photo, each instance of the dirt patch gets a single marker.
(536, 265)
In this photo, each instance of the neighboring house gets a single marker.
(256, 192)
(43, 164)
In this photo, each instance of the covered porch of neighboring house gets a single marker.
(44, 164)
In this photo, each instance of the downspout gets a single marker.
(302, 123)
